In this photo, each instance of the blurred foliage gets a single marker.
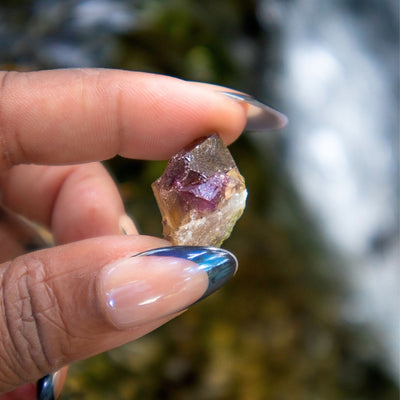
(275, 331)
(189, 39)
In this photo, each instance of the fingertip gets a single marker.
(88, 205)
(172, 114)
(228, 117)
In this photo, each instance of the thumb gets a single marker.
(70, 302)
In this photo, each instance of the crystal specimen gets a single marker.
(201, 194)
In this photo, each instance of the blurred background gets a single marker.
(313, 312)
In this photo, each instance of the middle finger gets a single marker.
(75, 202)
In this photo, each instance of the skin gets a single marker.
(55, 127)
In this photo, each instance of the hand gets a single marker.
(87, 295)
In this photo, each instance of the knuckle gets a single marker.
(29, 307)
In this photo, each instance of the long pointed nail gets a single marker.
(161, 282)
(260, 117)
(50, 386)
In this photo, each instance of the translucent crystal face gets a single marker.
(201, 194)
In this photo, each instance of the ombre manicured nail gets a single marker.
(161, 282)
(260, 117)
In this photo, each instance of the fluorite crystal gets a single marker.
(201, 194)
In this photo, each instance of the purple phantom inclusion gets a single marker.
(202, 194)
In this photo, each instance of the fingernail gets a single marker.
(161, 282)
(260, 117)
(127, 225)
(50, 386)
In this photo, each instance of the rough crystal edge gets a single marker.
(183, 235)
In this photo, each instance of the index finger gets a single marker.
(81, 115)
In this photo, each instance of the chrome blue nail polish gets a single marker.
(219, 264)
(260, 117)
(45, 388)
(50, 386)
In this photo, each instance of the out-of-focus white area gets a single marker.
(339, 87)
